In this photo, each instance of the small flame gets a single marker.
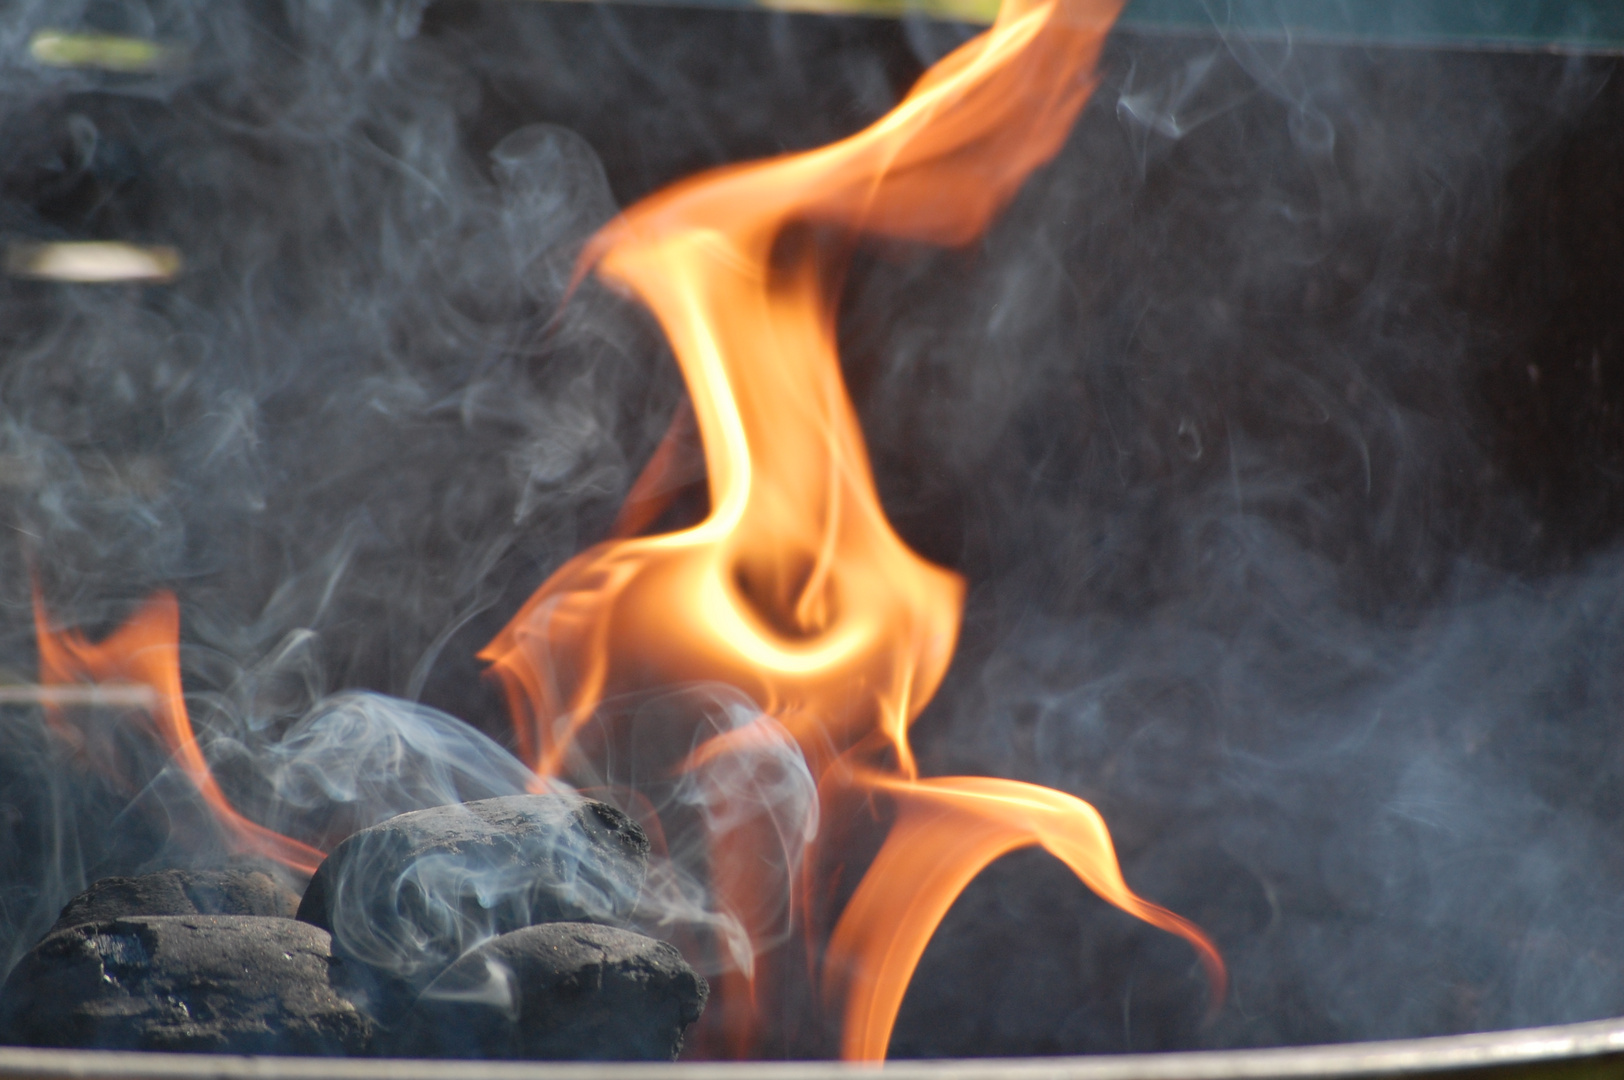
(794, 588)
(948, 831)
(140, 663)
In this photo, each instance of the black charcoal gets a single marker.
(407, 897)
(181, 892)
(230, 984)
(559, 992)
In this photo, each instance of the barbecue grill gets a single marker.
(1343, 560)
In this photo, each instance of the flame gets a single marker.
(949, 830)
(145, 653)
(794, 588)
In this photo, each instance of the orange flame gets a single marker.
(794, 588)
(145, 652)
(949, 830)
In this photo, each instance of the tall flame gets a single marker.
(794, 588)
(145, 652)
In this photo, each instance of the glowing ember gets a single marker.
(794, 588)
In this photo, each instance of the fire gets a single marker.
(949, 829)
(794, 588)
(145, 652)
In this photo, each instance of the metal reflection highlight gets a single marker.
(93, 262)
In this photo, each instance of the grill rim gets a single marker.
(1527, 1052)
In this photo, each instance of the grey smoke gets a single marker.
(1261, 560)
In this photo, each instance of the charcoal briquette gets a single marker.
(405, 898)
(559, 992)
(230, 984)
(181, 892)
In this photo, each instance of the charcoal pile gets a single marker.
(241, 984)
(479, 930)
(559, 990)
(404, 899)
(181, 892)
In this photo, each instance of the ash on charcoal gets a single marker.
(235, 984)
(405, 898)
(563, 991)
(181, 892)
